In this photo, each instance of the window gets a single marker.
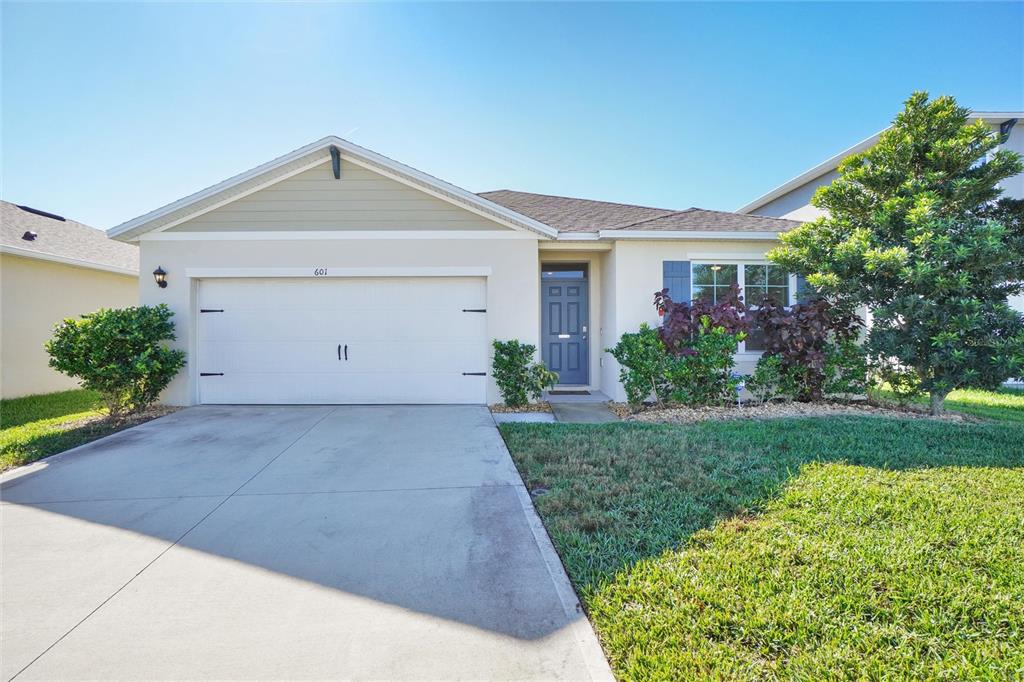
(760, 281)
(563, 271)
(711, 282)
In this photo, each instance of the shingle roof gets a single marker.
(567, 214)
(64, 239)
(704, 219)
(573, 215)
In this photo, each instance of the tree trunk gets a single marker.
(938, 403)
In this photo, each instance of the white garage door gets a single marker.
(362, 340)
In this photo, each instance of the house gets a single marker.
(52, 268)
(336, 275)
(792, 199)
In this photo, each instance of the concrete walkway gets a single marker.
(583, 413)
(286, 542)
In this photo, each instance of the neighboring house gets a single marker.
(335, 275)
(52, 268)
(792, 199)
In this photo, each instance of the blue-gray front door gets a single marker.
(564, 329)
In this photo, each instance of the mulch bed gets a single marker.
(129, 421)
(775, 410)
(532, 407)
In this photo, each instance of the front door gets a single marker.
(566, 313)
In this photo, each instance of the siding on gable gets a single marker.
(315, 200)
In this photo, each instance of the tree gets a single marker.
(916, 229)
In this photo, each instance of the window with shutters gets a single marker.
(711, 281)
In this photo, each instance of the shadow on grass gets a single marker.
(619, 493)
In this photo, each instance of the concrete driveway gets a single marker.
(286, 542)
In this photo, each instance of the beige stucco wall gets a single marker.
(513, 293)
(34, 296)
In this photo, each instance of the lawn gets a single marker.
(37, 426)
(1005, 404)
(853, 547)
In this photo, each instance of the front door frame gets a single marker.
(584, 282)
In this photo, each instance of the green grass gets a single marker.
(37, 426)
(1004, 404)
(836, 548)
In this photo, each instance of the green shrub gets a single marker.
(770, 380)
(643, 362)
(119, 353)
(846, 369)
(702, 373)
(519, 378)
(844, 372)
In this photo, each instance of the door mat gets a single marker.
(568, 392)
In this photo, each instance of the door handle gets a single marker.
(346, 352)
(339, 352)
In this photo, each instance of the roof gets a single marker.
(832, 163)
(63, 241)
(307, 157)
(546, 215)
(567, 214)
(571, 215)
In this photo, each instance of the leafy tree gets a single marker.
(119, 353)
(916, 229)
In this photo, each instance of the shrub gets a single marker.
(770, 381)
(701, 372)
(119, 353)
(519, 378)
(684, 322)
(643, 362)
(846, 369)
(806, 338)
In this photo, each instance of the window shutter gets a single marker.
(804, 292)
(676, 278)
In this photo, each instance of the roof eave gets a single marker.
(65, 260)
(657, 235)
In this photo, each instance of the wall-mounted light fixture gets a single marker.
(161, 277)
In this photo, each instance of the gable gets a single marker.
(361, 200)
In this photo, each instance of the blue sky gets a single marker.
(110, 110)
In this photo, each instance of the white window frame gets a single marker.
(741, 282)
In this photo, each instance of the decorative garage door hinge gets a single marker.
(211, 374)
(211, 310)
(474, 374)
(474, 310)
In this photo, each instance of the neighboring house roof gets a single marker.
(832, 163)
(63, 241)
(571, 215)
(307, 157)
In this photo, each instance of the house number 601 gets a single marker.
(319, 272)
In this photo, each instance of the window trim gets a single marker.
(741, 264)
